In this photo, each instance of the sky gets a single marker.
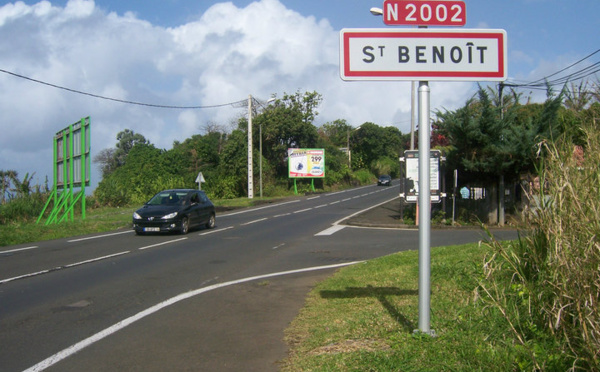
(198, 53)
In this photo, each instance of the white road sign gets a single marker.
(423, 54)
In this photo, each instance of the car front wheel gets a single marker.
(211, 222)
(185, 225)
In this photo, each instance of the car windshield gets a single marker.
(168, 198)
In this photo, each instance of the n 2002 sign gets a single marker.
(424, 13)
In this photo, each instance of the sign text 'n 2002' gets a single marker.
(424, 13)
(423, 54)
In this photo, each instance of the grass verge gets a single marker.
(97, 220)
(362, 319)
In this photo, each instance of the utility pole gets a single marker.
(250, 169)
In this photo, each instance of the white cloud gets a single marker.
(220, 57)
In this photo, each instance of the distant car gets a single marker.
(175, 210)
(384, 180)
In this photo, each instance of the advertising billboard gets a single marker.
(306, 163)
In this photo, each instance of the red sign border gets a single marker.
(498, 75)
(404, 23)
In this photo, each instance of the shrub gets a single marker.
(22, 208)
(363, 176)
(386, 165)
(547, 284)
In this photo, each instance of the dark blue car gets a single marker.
(384, 180)
(176, 210)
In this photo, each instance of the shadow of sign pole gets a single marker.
(381, 294)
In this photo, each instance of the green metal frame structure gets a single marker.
(71, 169)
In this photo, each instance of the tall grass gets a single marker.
(22, 208)
(547, 284)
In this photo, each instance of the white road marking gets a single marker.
(282, 215)
(255, 221)
(330, 231)
(216, 230)
(257, 209)
(62, 267)
(364, 210)
(303, 210)
(19, 249)
(163, 243)
(314, 197)
(95, 259)
(50, 361)
(99, 236)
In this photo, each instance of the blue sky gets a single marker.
(199, 52)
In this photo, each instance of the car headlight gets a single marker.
(136, 216)
(169, 216)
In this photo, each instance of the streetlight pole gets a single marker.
(413, 113)
(260, 160)
(261, 152)
(250, 169)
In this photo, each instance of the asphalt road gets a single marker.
(212, 300)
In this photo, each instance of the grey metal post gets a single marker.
(250, 169)
(424, 209)
(413, 114)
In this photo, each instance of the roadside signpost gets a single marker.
(200, 180)
(425, 55)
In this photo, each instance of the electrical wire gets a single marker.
(544, 82)
(121, 100)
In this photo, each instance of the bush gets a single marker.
(23, 208)
(111, 193)
(363, 176)
(386, 165)
(547, 284)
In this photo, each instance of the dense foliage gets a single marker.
(488, 139)
(547, 285)
(136, 169)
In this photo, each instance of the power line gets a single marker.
(121, 100)
(543, 83)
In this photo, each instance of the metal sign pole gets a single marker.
(424, 210)
(250, 169)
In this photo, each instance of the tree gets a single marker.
(577, 97)
(5, 180)
(492, 142)
(112, 158)
(287, 123)
(337, 132)
(233, 167)
(107, 161)
(22, 188)
(199, 153)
